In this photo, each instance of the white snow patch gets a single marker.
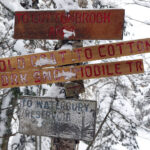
(39, 122)
(66, 75)
(55, 91)
(66, 5)
(45, 61)
(68, 34)
(39, 50)
(2, 28)
(13, 5)
(66, 46)
(82, 146)
(20, 47)
(119, 147)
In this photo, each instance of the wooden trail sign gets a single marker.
(74, 25)
(64, 118)
(70, 73)
(77, 55)
(73, 89)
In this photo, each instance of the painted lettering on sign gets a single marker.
(100, 24)
(63, 118)
(64, 18)
(63, 57)
(70, 73)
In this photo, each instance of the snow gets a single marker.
(39, 122)
(13, 5)
(55, 91)
(45, 61)
(66, 5)
(68, 34)
(66, 75)
(20, 47)
(39, 50)
(82, 145)
(66, 46)
(143, 140)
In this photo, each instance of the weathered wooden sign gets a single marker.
(64, 118)
(74, 88)
(69, 73)
(75, 25)
(63, 57)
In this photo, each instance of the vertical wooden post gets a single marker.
(62, 144)
(65, 144)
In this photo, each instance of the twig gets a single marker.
(8, 136)
(147, 23)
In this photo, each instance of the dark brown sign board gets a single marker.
(74, 88)
(72, 25)
(64, 118)
(69, 73)
(84, 54)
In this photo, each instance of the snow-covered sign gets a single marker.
(65, 118)
(77, 55)
(75, 24)
(70, 73)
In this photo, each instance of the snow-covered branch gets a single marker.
(144, 3)
(144, 22)
(11, 5)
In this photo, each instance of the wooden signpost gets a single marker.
(77, 55)
(69, 73)
(67, 118)
(64, 118)
(72, 25)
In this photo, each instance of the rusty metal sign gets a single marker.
(64, 118)
(72, 25)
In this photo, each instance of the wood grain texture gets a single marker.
(77, 55)
(70, 73)
(86, 24)
(62, 118)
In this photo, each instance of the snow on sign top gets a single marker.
(74, 25)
